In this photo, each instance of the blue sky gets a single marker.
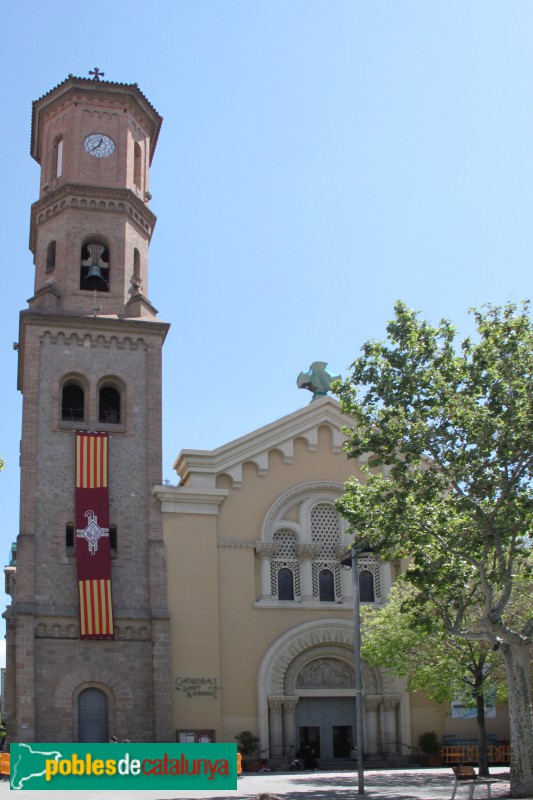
(319, 159)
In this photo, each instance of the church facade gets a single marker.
(261, 605)
(154, 612)
(254, 524)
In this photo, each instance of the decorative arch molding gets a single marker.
(372, 680)
(310, 637)
(73, 682)
(321, 490)
(291, 652)
(118, 693)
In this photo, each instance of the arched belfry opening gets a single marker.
(94, 266)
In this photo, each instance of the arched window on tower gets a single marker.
(70, 542)
(326, 586)
(137, 163)
(136, 282)
(58, 157)
(113, 539)
(109, 404)
(72, 402)
(366, 586)
(50, 256)
(94, 266)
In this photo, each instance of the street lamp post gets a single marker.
(359, 744)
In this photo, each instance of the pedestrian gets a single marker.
(267, 796)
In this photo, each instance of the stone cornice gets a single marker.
(71, 195)
(111, 91)
(201, 467)
(182, 500)
(73, 323)
(237, 544)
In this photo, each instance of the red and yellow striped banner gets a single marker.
(91, 461)
(96, 610)
(93, 552)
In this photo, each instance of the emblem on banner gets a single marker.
(93, 532)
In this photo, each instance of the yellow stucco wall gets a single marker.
(219, 630)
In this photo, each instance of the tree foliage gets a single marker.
(405, 637)
(448, 433)
(410, 641)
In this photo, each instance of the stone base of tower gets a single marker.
(47, 693)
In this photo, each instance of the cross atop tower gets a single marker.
(97, 74)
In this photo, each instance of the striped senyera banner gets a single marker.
(93, 554)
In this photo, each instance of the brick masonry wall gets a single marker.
(139, 659)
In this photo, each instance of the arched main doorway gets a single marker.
(93, 718)
(306, 695)
(325, 710)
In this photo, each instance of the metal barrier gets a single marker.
(469, 754)
(4, 765)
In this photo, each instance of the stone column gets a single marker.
(289, 725)
(390, 732)
(306, 553)
(266, 552)
(372, 703)
(275, 723)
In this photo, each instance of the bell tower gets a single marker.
(88, 652)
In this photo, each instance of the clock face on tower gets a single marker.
(99, 145)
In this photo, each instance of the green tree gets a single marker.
(449, 480)
(406, 638)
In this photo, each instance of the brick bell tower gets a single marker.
(88, 651)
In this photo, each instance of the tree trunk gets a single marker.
(518, 667)
(482, 730)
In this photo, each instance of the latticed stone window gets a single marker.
(325, 529)
(285, 560)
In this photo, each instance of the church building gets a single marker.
(155, 612)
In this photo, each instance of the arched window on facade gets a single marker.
(94, 266)
(326, 586)
(286, 565)
(285, 584)
(366, 586)
(137, 164)
(93, 719)
(325, 529)
(72, 402)
(109, 402)
(50, 256)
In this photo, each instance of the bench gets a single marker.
(467, 775)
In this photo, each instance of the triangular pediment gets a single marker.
(200, 468)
